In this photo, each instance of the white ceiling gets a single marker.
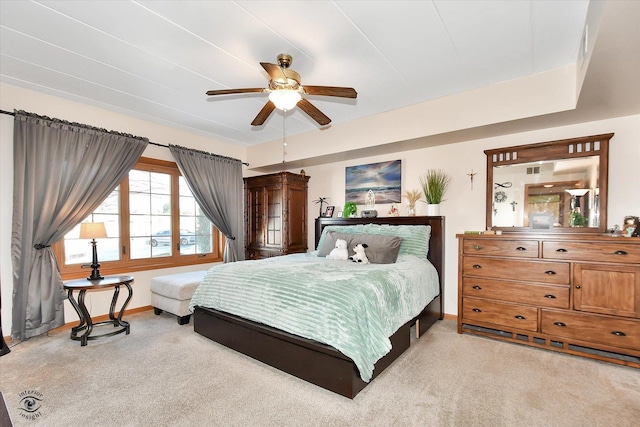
(156, 59)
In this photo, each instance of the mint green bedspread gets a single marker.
(352, 307)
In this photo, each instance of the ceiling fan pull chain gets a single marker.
(284, 143)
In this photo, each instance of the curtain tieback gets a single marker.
(230, 237)
(38, 246)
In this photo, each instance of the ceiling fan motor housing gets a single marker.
(285, 60)
(289, 80)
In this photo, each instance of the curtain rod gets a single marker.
(152, 143)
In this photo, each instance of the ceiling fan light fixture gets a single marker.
(285, 99)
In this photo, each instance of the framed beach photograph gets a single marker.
(383, 178)
(329, 212)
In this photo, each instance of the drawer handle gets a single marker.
(519, 317)
(477, 266)
(619, 333)
(477, 287)
(561, 250)
(477, 310)
(560, 324)
(521, 248)
(550, 272)
(550, 296)
(620, 253)
(477, 247)
(578, 286)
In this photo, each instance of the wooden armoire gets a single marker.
(275, 215)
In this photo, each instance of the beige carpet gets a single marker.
(164, 374)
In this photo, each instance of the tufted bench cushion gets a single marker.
(173, 293)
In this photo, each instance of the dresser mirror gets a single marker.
(549, 187)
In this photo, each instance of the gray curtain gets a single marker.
(62, 172)
(217, 185)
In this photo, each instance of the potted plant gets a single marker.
(350, 210)
(576, 219)
(434, 186)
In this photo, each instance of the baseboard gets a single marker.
(450, 316)
(104, 317)
(96, 319)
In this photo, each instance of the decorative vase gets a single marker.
(433, 209)
(411, 210)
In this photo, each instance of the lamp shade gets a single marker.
(579, 192)
(92, 230)
(285, 99)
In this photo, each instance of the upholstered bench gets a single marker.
(173, 293)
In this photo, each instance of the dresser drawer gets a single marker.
(535, 271)
(592, 251)
(498, 313)
(611, 331)
(495, 247)
(519, 292)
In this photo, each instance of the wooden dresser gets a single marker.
(275, 215)
(574, 294)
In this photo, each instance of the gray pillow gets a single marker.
(352, 229)
(329, 242)
(415, 238)
(381, 249)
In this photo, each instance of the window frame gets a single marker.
(126, 264)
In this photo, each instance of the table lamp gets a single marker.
(576, 193)
(93, 230)
(575, 215)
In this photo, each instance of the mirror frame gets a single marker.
(595, 145)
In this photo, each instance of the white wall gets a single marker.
(534, 95)
(11, 98)
(464, 208)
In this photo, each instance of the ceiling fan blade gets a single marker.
(232, 91)
(313, 112)
(264, 114)
(343, 92)
(274, 71)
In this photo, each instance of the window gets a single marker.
(152, 221)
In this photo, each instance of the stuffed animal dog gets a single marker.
(340, 252)
(360, 256)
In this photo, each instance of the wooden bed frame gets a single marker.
(313, 361)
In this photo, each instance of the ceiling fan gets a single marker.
(285, 92)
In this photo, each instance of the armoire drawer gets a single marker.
(498, 313)
(590, 251)
(508, 248)
(611, 331)
(535, 271)
(519, 292)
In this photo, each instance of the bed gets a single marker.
(312, 358)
